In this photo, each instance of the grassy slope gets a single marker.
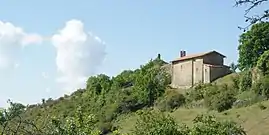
(252, 118)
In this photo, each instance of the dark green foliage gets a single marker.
(223, 101)
(198, 92)
(220, 98)
(263, 63)
(106, 98)
(252, 44)
(170, 101)
(209, 125)
(262, 86)
(233, 67)
(157, 123)
(236, 82)
(245, 81)
(247, 98)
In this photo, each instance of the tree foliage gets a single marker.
(252, 44)
(157, 123)
(152, 122)
(263, 63)
(233, 67)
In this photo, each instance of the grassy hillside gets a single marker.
(254, 119)
(114, 102)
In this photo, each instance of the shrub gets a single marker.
(262, 86)
(223, 101)
(245, 81)
(247, 98)
(209, 125)
(236, 82)
(221, 98)
(197, 93)
(263, 62)
(170, 101)
(157, 123)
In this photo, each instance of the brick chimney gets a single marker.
(182, 53)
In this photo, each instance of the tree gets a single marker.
(252, 44)
(233, 67)
(251, 4)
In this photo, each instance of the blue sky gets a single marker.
(125, 34)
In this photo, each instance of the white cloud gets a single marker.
(12, 39)
(79, 54)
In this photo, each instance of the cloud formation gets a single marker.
(12, 40)
(79, 54)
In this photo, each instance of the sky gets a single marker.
(49, 48)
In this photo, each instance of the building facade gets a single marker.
(188, 70)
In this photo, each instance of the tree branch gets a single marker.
(255, 18)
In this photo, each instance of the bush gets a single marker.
(247, 98)
(262, 86)
(245, 81)
(223, 101)
(157, 123)
(209, 125)
(197, 93)
(263, 63)
(236, 82)
(221, 98)
(171, 100)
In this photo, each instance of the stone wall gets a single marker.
(182, 74)
(213, 59)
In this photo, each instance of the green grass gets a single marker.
(228, 79)
(252, 118)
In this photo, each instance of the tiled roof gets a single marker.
(196, 55)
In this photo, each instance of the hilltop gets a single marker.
(115, 101)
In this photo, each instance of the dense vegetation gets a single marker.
(145, 92)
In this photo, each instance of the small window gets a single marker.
(205, 70)
(196, 69)
(181, 66)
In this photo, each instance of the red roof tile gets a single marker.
(196, 55)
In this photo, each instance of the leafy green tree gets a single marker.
(233, 67)
(252, 44)
(150, 82)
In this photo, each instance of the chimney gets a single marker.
(182, 53)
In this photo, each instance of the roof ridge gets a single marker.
(195, 55)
